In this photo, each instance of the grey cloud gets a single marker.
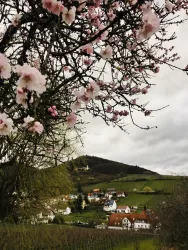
(164, 149)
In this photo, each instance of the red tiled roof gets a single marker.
(116, 218)
(96, 190)
(122, 207)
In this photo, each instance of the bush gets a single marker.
(59, 219)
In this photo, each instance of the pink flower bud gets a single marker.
(50, 110)
(109, 109)
(147, 112)
(125, 113)
(116, 112)
(144, 91)
(55, 113)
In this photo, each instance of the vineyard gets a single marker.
(67, 238)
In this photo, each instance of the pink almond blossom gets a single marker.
(87, 48)
(30, 78)
(69, 15)
(33, 126)
(56, 7)
(133, 2)
(5, 67)
(92, 90)
(107, 52)
(82, 5)
(111, 15)
(28, 120)
(71, 120)
(151, 26)
(6, 124)
(76, 105)
(16, 19)
(47, 4)
(21, 97)
(146, 6)
(37, 127)
(87, 62)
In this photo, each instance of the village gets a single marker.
(116, 217)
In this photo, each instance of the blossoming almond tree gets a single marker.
(59, 59)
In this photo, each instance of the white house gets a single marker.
(129, 221)
(43, 217)
(51, 216)
(110, 206)
(108, 196)
(141, 224)
(101, 226)
(87, 168)
(73, 196)
(60, 211)
(67, 211)
(123, 209)
(120, 194)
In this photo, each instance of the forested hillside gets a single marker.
(104, 166)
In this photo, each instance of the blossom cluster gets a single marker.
(32, 125)
(77, 44)
(6, 124)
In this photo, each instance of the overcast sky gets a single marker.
(165, 149)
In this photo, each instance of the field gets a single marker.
(145, 244)
(88, 215)
(140, 200)
(133, 186)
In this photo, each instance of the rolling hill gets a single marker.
(104, 166)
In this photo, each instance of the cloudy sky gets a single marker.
(165, 149)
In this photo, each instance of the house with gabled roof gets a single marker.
(120, 194)
(96, 191)
(110, 206)
(123, 209)
(129, 221)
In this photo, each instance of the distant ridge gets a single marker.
(105, 166)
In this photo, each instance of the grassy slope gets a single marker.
(147, 244)
(140, 200)
(86, 216)
(164, 185)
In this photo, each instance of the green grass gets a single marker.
(146, 244)
(121, 186)
(86, 216)
(129, 186)
(140, 200)
(134, 177)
